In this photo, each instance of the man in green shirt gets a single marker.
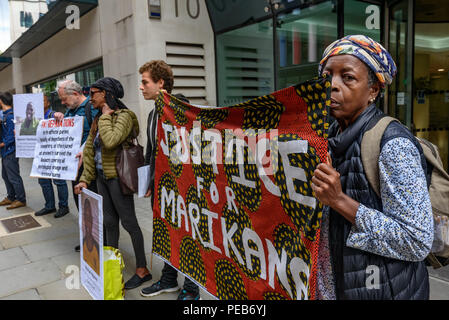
(29, 126)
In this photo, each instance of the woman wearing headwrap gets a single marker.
(371, 247)
(111, 128)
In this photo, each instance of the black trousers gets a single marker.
(119, 207)
(92, 186)
(170, 277)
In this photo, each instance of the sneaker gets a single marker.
(157, 288)
(186, 295)
(5, 202)
(62, 212)
(44, 211)
(16, 204)
(137, 281)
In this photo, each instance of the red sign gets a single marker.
(235, 210)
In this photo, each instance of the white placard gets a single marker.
(91, 243)
(144, 180)
(57, 145)
(28, 111)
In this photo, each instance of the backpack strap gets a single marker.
(88, 113)
(370, 151)
(439, 189)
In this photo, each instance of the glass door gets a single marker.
(400, 46)
(302, 35)
(431, 74)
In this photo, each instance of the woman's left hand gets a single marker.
(326, 184)
(327, 187)
(106, 109)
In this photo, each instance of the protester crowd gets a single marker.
(107, 125)
(359, 228)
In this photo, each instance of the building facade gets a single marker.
(227, 51)
(23, 14)
(266, 45)
(114, 38)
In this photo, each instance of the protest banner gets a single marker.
(57, 145)
(91, 243)
(234, 209)
(28, 111)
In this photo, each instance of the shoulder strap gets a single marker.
(430, 147)
(370, 151)
(439, 188)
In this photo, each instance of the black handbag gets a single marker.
(129, 158)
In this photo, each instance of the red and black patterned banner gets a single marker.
(234, 209)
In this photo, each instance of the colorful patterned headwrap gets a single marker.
(366, 49)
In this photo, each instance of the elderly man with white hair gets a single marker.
(71, 95)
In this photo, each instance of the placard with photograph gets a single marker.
(28, 112)
(91, 243)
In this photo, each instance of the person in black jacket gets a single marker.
(157, 75)
(371, 247)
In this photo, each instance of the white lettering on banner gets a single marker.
(227, 239)
(176, 152)
(230, 197)
(251, 235)
(214, 195)
(199, 186)
(291, 172)
(247, 147)
(181, 209)
(213, 155)
(298, 266)
(279, 264)
(169, 199)
(164, 145)
(272, 261)
(241, 178)
(210, 215)
(194, 221)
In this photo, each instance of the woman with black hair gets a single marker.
(111, 128)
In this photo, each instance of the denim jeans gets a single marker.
(49, 195)
(12, 178)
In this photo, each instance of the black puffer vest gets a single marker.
(352, 267)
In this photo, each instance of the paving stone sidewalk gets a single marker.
(34, 264)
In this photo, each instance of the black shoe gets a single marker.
(77, 248)
(137, 281)
(62, 212)
(44, 211)
(157, 288)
